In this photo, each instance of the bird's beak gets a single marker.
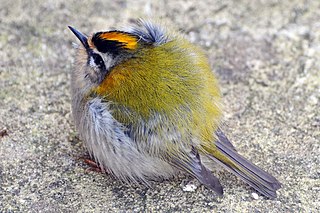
(83, 38)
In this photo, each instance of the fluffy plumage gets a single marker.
(153, 107)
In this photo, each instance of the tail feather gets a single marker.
(223, 139)
(260, 180)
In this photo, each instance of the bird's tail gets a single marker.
(260, 180)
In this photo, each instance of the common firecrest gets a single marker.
(147, 105)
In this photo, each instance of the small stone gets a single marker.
(189, 188)
(255, 196)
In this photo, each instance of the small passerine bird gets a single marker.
(147, 105)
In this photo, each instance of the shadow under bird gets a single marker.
(147, 105)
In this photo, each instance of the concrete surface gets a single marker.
(266, 55)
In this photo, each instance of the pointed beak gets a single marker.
(83, 38)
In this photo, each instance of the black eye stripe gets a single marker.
(97, 59)
(97, 71)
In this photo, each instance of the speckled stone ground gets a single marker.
(266, 55)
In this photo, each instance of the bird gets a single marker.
(147, 105)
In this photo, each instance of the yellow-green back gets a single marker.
(173, 79)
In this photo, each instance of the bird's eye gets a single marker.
(95, 61)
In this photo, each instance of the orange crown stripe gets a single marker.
(130, 42)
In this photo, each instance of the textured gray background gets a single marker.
(266, 55)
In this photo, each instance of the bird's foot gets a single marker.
(93, 166)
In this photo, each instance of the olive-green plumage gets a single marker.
(174, 80)
(152, 104)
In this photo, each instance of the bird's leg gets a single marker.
(93, 166)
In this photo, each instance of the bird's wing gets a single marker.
(192, 164)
